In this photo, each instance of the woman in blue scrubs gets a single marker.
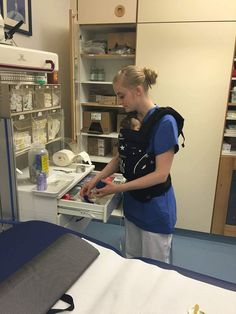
(149, 224)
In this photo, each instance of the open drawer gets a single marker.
(101, 209)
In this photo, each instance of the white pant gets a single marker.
(141, 243)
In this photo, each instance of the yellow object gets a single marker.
(195, 310)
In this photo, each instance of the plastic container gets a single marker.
(16, 98)
(27, 97)
(93, 74)
(56, 95)
(38, 161)
(43, 96)
(101, 75)
(42, 181)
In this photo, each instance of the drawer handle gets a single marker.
(119, 10)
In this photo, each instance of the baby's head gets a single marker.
(130, 123)
(135, 124)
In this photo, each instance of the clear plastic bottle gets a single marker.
(38, 161)
(93, 74)
(101, 75)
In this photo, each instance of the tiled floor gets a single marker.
(200, 252)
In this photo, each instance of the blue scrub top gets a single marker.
(159, 214)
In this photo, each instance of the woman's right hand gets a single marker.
(110, 168)
(87, 188)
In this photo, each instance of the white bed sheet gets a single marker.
(115, 285)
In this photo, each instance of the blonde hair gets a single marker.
(132, 76)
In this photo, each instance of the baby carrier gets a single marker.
(135, 159)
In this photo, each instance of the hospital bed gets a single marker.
(107, 283)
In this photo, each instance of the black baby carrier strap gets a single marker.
(135, 161)
(157, 115)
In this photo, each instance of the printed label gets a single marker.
(44, 163)
(96, 116)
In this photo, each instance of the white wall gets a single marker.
(50, 28)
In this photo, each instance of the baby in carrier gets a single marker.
(130, 122)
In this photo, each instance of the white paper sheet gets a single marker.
(115, 285)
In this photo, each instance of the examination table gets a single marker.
(97, 277)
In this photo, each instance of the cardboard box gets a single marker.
(108, 100)
(99, 146)
(104, 100)
(98, 122)
(121, 39)
(120, 117)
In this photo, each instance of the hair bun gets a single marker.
(150, 76)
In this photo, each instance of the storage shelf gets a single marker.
(13, 114)
(88, 90)
(24, 151)
(230, 118)
(110, 135)
(97, 82)
(95, 104)
(232, 104)
(102, 159)
(227, 153)
(230, 135)
(107, 56)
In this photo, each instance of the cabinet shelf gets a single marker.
(101, 159)
(230, 134)
(13, 114)
(107, 56)
(110, 135)
(97, 82)
(25, 150)
(232, 104)
(229, 153)
(95, 104)
(94, 95)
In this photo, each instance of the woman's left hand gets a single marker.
(109, 188)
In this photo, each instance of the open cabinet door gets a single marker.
(73, 72)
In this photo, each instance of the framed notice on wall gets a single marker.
(14, 11)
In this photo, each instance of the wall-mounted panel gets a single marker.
(186, 10)
(106, 11)
(194, 63)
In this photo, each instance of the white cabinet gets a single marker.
(54, 206)
(186, 11)
(190, 44)
(107, 11)
(100, 52)
(194, 62)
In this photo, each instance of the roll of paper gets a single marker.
(63, 158)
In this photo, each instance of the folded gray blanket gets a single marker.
(42, 281)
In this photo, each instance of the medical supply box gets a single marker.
(98, 122)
